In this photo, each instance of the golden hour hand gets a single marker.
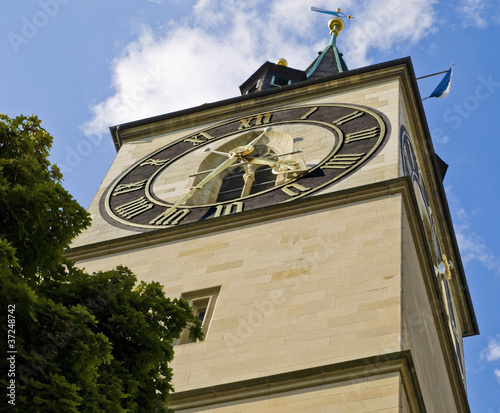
(290, 165)
(281, 167)
(237, 153)
(234, 155)
(278, 167)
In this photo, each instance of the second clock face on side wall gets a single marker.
(245, 163)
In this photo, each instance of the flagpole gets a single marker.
(434, 74)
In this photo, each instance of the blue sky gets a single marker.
(84, 66)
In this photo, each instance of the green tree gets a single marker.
(84, 342)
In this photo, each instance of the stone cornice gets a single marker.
(358, 369)
(240, 220)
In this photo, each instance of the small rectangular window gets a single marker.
(202, 303)
(280, 81)
(253, 88)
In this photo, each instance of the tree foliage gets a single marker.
(84, 342)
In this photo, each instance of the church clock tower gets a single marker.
(306, 223)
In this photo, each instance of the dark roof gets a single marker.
(328, 63)
(265, 76)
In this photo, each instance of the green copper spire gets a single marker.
(330, 61)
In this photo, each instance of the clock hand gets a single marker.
(290, 165)
(238, 152)
(248, 178)
(282, 167)
(209, 170)
(278, 168)
(280, 154)
(234, 155)
(223, 166)
(216, 152)
(241, 151)
(250, 160)
(260, 136)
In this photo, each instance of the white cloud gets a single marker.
(155, 76)
(472, 246)
(492, 352)
(497, 374)
(473, 11)
(478, 13)
(491, 355)
(385, 25)
(188, 66)
(226, 41)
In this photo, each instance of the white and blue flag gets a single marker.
(443, 88)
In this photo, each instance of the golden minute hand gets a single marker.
(222, 167)
(260, 136)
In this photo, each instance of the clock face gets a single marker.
(245, 163)
(411, 169)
